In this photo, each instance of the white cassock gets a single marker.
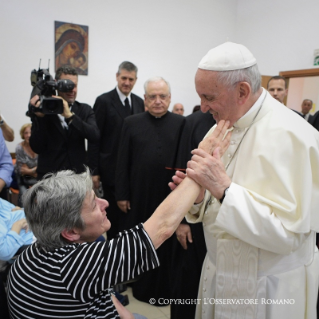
(262, 261)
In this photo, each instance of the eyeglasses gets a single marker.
(154, 97)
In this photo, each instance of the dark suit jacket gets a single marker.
(314, 121)
(110, 114)
(60, 148)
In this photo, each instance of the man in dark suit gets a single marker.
(306, 107)
(111, 109)
(60, 139)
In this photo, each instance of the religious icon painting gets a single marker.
(71, 46)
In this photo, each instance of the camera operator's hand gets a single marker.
(66, 109)
(35, 101)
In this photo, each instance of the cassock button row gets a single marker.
(207, 267)
(205, 278)
(232, 142)
(204, 289)
(229, 155)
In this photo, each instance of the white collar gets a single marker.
(246, 119)
(123, 97)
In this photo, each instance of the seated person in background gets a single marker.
(7, 131)
(6, 168)
(65, 271)
(13, 230)
(26, 160)
(14, 236)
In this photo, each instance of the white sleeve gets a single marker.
(254, 222)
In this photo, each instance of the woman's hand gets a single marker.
(178, 178)
(219, 138)
(20, 224)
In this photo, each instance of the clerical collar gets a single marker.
(123, 97)
(157, 117)
(246, 119)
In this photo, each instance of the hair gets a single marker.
(22, 129)
(277, 77)
(55, 204)
(156, 79)
(250, 75)
(196, 108)
(128, 66)
(65, 70)
(307, 100)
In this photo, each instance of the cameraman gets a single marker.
(59, 139)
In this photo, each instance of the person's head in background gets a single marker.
(25, 132)
(277, 87)
(196, 108)
(306, 106)
(178, 108)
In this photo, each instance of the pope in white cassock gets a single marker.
(259, 202)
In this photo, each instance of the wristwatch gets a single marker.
(224, 195)
(1, 122)
(68, 120)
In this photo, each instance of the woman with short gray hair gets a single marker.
(65, 274)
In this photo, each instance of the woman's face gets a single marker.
(70, 50)
(27, 134)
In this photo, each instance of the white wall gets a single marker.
(166, 38)
(281, 34)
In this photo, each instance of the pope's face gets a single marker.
(215, 97)
(277, 89)
(306, 106)
(157, 98)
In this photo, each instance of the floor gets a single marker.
(147, 310)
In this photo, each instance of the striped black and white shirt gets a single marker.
(73, 281)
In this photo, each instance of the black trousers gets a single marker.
(114, 214)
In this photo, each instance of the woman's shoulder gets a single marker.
(19, 148)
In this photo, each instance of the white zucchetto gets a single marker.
(227, 57)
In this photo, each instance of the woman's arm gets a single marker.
(166, 218)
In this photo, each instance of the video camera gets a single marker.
(45, 86)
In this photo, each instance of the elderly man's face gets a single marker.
(277, 89)
(215, 97)
(94, 216)
(178, 109)
(157, 98)
(306, 106)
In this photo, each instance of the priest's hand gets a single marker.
(209, 172)
(124, 205)
(184, 233)
(178, 178)
(219, 138)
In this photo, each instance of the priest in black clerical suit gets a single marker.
(111, 109)
(147, 152)
(187, 263)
